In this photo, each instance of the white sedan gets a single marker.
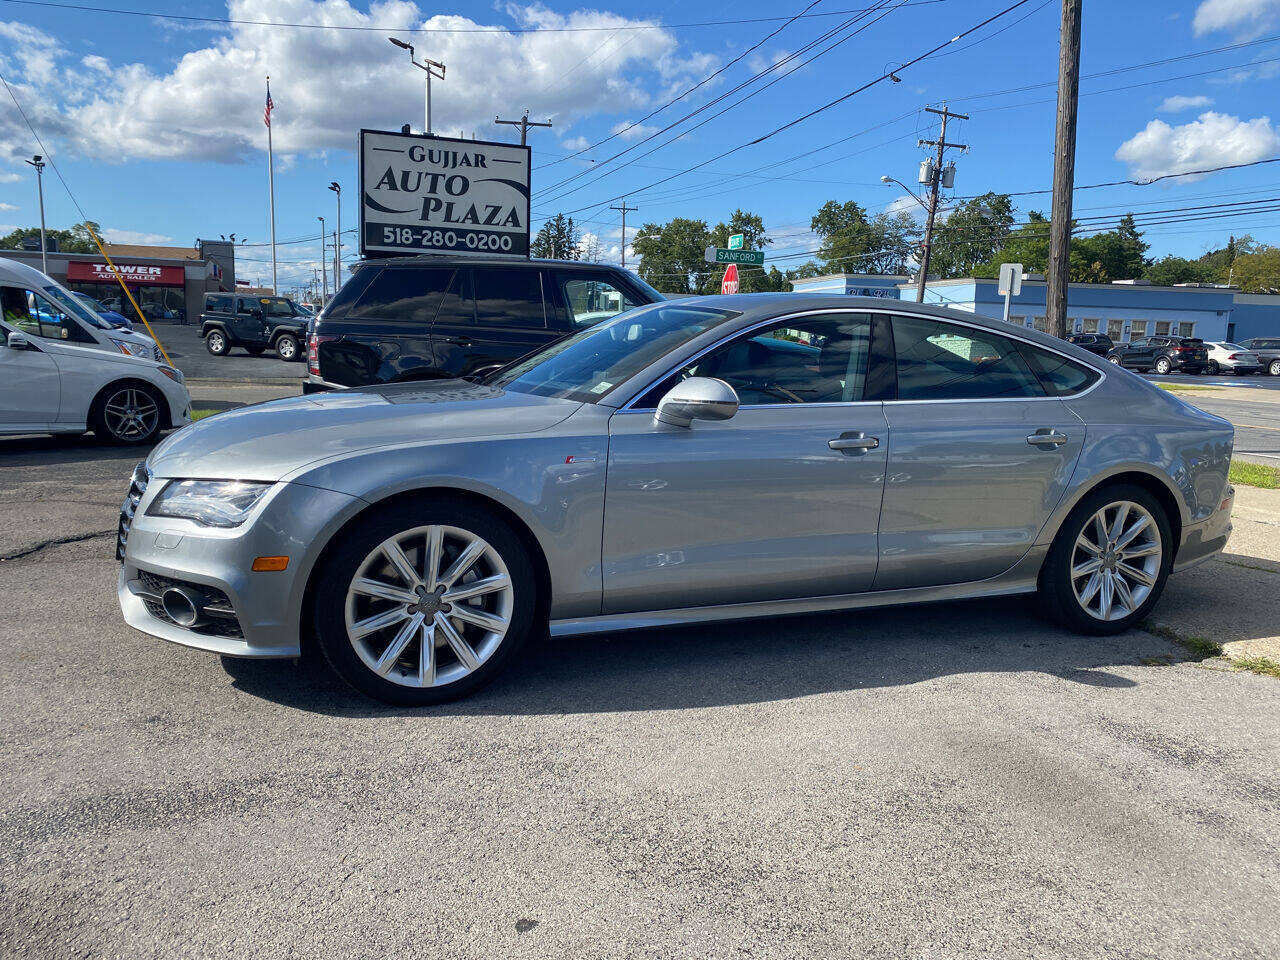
(62, 374)
(1232, 358)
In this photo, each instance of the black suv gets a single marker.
(427, 318)
(1268, 351)
(1162, 354)
(1098, 343)
(255, 323)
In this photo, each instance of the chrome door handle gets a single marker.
(854, 443)
(1052, 437)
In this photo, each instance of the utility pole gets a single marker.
(624, 208)
(337, 266)
(337, 246)
(1064, 170)
(935, 180)
(38, 162)
(324, 274)
(524, 125)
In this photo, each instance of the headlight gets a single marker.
(131, 349)
(215, 503)
(172, 373)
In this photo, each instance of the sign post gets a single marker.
(730, 282)
(1010, 284)
(426, 194)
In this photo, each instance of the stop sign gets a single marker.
(730, 282)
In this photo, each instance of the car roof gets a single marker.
(14, 271)
(454, 260)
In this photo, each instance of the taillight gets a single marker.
(313, 353)
(1234, 356)
(1183, 349)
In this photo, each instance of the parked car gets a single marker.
(1268, 351)
(1098, 343)
(1162, 354)
(1230, 357)
(254, 323)
(117, 320)
(427, 318)
(688, 461)
(63, 370)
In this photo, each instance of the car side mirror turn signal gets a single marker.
(698, 398)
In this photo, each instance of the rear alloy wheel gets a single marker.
(1212, 368)
(1115, 360)
(1109, 563)
(287, 347)
(1163, 366)
(128, 414)
(1274, 369)
(421, 612)
(216, 343)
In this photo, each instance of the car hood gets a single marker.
(268, 441)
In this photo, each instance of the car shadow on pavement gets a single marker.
(67, 448)
(741, 663)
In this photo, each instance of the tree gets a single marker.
(1027, 245)
(892, 244)
(672, 255)
(1170, 270)
(589, 249)
(971, 235)
(556, 239)
(75, 240)
(846, 236)
(1258, 271)
(754, 237)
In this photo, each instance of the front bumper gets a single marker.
(291, 520)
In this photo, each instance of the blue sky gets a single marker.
(157, 124)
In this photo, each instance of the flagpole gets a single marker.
(271, 193)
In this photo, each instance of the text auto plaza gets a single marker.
(1124, 311)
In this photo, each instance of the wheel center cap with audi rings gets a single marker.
(429, 604)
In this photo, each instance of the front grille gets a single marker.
(137, 486)
(222, 616)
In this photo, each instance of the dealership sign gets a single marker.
(423, 194)
(80, 271)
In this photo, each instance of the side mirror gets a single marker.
(17, 341)
(698, 398)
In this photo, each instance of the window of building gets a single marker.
(1137, 329)
(944, 361)
(1162, 328)
(1186, 329)
(509, 298)
(1090, 325)
(1020, 321)
(1115, 330)
(1041, 324)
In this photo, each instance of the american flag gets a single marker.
(266, 113)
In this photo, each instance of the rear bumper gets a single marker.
(1205, 540)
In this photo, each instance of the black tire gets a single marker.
(1274, 369)
(1057, 596)
(1163, 367)
(217, 342)
(1115, 360)
(1211, 368)
(256, 351)
(287, 348)
(98, 419)
(330, 586)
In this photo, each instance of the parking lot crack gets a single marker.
(56, 542)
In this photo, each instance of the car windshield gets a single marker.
(76, 308)
(591, 362)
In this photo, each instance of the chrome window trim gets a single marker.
(772, 322)
(1102, 374)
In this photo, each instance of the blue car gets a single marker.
(116, 320)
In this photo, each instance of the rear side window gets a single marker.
(947, 361)
(1059, 376)
(219, 304)
(403, 294)
(509, 298)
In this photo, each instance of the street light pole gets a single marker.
(429, 67)
(38, 162)
(337, 244)
(324, 270)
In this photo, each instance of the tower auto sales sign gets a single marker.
(424, 194)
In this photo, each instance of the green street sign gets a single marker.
(735, 242)
(721, 255)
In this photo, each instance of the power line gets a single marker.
(118, 11)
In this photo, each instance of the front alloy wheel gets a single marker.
(1275, 368)
(1162, 366)
(1109, 562)
(1115, 360)
(422, 612)
(216, 343)
(127, 415)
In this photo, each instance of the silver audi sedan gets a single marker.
(693, 460)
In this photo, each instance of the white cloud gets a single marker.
(112, 235)
(627, 130)
(326, 84)
(7, 206)
(1215, 139)
(902, 204)
(1245, 18)
(1178, 103)
(575, 143)
(10, 177)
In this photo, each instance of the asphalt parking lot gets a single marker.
(183, 344)
(937, 782)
